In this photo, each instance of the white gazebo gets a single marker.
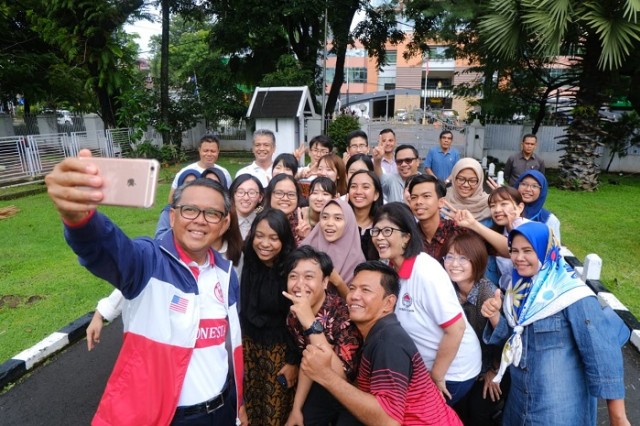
(286, 111)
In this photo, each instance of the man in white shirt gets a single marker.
(387, 140)
(264, 145)
(209, 151)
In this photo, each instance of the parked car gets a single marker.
(607, 114)
(64, 117)
(402, 115)
(449, 116)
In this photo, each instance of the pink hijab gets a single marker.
(345, 252)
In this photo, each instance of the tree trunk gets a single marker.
(164, 74)
(334, 91)
(579, 166)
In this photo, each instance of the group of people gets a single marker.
(356, 290)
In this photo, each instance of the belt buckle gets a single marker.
(213, 404)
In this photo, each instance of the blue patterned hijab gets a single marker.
(530, 299)
(534, 211)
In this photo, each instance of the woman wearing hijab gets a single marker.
(533, 187)
(337, 234)
(467, 192)
(562, 350)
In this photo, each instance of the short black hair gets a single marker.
(445, 132)
(209, 137)
(277, 179)
(389, 280)
(441, 189)
(240, 179)
(323, 140)
(289, 161)
(207, 183)
(405, 146)
(401, 216)
(215, 171)
(360, 157)
(530, 135)
(325, 183)
(383, 131)
(357, 134)
(307, 252)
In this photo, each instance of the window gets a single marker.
(356, 75)
(352, 75)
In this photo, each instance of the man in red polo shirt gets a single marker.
(393, 384)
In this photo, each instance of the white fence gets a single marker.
(27, 157)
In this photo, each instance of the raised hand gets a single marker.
(299, 152)
(491, 307)
(377, 153)
(63, 185)
(491, 183)
(303, 228)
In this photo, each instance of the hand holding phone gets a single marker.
(129, 182)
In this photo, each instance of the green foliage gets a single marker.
(339, 128)
(288, 73)
(166, 154)
(621, 135)
(202, 82)
(546, 25)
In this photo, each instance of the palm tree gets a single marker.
(599, 34)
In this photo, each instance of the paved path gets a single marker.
(66, 390)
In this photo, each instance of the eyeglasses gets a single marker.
(529, 185)
(401, 161)
(252, 193)
(386, 232)
(281, 194)
(359, 146)
(320, 151)
(470, 181)
(192, 212)
(460, 259)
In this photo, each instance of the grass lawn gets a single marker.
(43, 288)
(607, 223)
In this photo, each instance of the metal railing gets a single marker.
(32, 156)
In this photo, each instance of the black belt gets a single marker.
(204, 407)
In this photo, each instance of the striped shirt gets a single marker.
(392, 370)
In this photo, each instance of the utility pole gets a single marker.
(324, 74)
(426, 77)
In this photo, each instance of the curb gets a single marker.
(21, 364)
(606, 298)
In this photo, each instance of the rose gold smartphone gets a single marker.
(129, 182)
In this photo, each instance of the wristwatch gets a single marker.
(316, 328)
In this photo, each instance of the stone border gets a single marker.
(21, 364)
(590, 274)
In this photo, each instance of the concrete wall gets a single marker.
(502, 140)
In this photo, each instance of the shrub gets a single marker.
(339, 128)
